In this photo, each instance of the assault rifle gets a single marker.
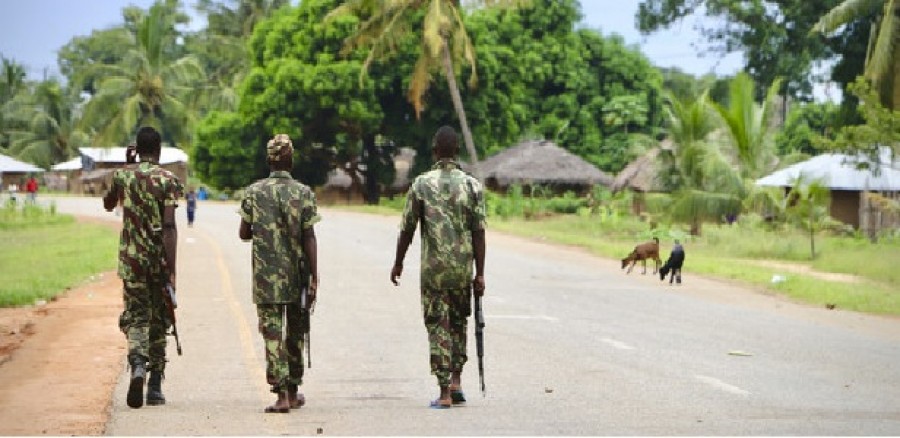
(479, 340)
(306, 308)
(172, 304)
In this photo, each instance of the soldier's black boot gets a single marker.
(155, 396)
(135, 398)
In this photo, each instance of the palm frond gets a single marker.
(881, 56)
(843, 13)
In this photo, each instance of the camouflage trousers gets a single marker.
(280, 326)
(446, 316)
(144, 322)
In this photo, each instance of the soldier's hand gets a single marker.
(396, 272)
(131, 154)
(173, 280)
(478, 285)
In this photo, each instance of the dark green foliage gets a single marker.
(805, 127)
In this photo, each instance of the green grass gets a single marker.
(43, 256)
(729, 251)
(723, 252)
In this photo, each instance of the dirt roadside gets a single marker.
(59, 362)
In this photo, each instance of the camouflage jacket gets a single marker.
(145, 189)
(450, 205)
(278, 208)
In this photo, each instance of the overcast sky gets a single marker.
(31, 32)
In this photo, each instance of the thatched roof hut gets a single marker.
(641, 175)
(540, 163)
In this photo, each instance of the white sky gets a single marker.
(31, 31)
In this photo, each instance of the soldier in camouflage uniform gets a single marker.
(278, 214)
(450, 205)
(147, 251)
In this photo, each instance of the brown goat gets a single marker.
(642, 252)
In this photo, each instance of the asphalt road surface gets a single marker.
(574, 346)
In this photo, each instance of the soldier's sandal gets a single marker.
(439, 404)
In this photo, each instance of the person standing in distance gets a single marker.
(278, 214)
(147, 260)
(450, 206)
(191, 199)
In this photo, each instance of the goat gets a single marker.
(642, 252)
(673, 264)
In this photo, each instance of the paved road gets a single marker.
(574, 347)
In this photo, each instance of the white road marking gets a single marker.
(716, 383)
(189, 240)
(617, 344)
(538, 317)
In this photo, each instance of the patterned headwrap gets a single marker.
(279, 146)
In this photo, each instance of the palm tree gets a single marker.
(44, 129)
(748, 125)
(222, 46)
(882, 58)
(12, 82)
(704, 184)
(145, 89)
(808, 203)
(445, 43)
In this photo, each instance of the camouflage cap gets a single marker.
(278, 146)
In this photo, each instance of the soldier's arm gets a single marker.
(411, 217)
(170, 239)
(479, 247)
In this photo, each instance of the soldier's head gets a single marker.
(149, 143)
(445, 143)
(280, 152)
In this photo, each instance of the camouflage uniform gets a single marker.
(278, 208)
(450, 205)
(146, 189)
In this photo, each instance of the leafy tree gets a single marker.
(805, 127)
(541, 78)
(881, 127)
(221, 47)
(882, 59)
(444, 43)
(299, 87)
(765, 31)
(80, 59)
(147, 88)
(748, 126)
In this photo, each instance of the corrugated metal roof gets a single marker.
(840, 172)
(10, 164)
(117, 155)
(73, 164)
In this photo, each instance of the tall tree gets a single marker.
(43, 125)
(11, 84)
(221, 47)
(444, 43)
(766, 31)
(147, 88)
(703, 183)
(882, 63)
